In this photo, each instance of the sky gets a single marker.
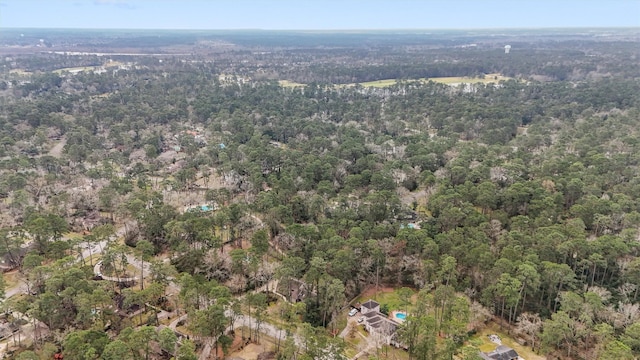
(318, 14)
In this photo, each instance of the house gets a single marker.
(370, 306)
(378, 324)
(296, 291)
(501, 353)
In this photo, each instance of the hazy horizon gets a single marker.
(335, 30)
(312, 15)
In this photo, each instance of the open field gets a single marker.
(488, 78)
(449, 80)
(379, 83)
(75, 70)
(290, 84)
(19, 72)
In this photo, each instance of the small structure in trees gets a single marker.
(298, 291)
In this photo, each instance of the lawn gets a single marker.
(93, 258)
(273, 317)
(482, 338)
(353, 344)
(11, 279)
(388, 296)
(72, 236)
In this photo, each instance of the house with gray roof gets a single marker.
(370, 306)
(501, 353)
(378, 324)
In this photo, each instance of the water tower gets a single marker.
(507, 48)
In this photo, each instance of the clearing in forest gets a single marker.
(487, 346)
(290, 84)
(449, 80)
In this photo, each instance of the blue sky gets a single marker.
(318, 14)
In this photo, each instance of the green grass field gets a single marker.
(353, 342)
(386, 296)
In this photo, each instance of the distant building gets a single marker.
(501, 353)
(507, 48)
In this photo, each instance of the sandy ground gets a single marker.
(56, 150)
(250, 352)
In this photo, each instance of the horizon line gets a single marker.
(335, 29)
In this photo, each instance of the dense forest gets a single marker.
(158, 204)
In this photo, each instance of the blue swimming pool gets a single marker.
(401, 316)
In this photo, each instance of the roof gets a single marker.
(370, 304)
(500, 353)
(383, 325)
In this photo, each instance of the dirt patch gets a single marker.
(242, 349)
(370, 292)
(250, 352)
(56, 150)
